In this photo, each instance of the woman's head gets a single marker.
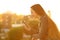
(37, 10)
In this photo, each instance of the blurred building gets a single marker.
(14, 18)
(0, 18)
(6, 20)
(17, 19)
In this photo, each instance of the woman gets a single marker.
(48, 29)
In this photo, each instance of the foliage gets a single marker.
(15, 33)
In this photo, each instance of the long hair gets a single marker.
(48, 29)
(38, 9)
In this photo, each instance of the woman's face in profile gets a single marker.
(33, 13)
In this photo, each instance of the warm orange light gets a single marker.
(22, 7)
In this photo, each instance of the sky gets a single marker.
(23, 7)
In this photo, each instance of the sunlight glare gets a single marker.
(22, 7)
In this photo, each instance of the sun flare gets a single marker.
(22, 7)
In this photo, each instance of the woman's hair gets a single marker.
(38, 9)
(49, 29)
